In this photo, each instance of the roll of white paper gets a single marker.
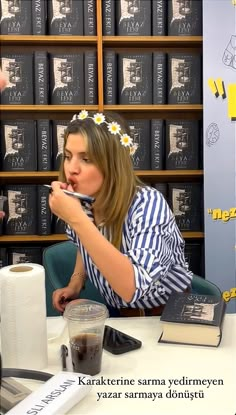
(23, 316)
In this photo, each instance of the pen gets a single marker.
(64, 354)
(75, 194)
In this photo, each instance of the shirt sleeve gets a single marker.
(155, 242)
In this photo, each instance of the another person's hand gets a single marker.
(3, 81)
(61, 296)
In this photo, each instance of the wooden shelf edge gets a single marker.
(126, 108)
(33, 238)
(47, 108)
(47, 39)
(140, 173)
(136, 41)
(61, 237)
(154, 108)
(192, 235)
(168, 173)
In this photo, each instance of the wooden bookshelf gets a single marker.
(30, 43)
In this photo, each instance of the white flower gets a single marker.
(75, 117)
(133, 149)
(113, 127)
(126, 140)
(99, 118)
(83, 114)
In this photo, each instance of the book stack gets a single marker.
(48, 17)
(43, 78)
(152, 18)
(37, 145)
(147, 78)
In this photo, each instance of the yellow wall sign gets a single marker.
(228, 295)
(217, 87)
(232, 101)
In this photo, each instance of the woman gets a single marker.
(128, 241)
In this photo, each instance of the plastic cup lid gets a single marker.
(85, 310)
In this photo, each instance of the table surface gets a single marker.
(167, 379)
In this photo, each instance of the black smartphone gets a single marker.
(117, 342)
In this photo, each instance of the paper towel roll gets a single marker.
(23, 316)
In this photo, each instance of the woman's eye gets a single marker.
(86, 160)
(66, 157)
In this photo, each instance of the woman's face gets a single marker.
(80, 172)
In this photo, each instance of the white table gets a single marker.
(161, 362)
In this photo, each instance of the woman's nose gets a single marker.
(74, 166)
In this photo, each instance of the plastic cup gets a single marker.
(86, 320)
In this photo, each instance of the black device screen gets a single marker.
(117, 342)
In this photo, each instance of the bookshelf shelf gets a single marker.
(47, 176)
(154, 108)
(46, 108)
(148, 41)
(60, 237)
(120, 108)
(6, 40)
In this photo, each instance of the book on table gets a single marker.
(195, 319)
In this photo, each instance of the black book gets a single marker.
(3, 257)
(20, 209)
(182, 144)
(184, 78)
(67, 79)
(108, 17)
(15, 17)
(18, 146)
(44, 225)
(195, 319)
(186, 202)
(90, 78)
(193, 253)
(135, 78)
(41, 78)
(90, 17)
(18, 69)
(140, 134)
(157, 144)
(159, 17)
(58, 225)
(184, 18)
(23, 255)
(39, 17)
(110, 77)
(162, 188)
(58, 134)
(44, 145)
(133, 18)
(159, 77)
(65, 18)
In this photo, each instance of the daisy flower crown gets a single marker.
(113, 127)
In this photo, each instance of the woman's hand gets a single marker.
(61, 296)
(67, 208)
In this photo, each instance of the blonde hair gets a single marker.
(114, 162)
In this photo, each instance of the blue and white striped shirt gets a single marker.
(154, 245)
